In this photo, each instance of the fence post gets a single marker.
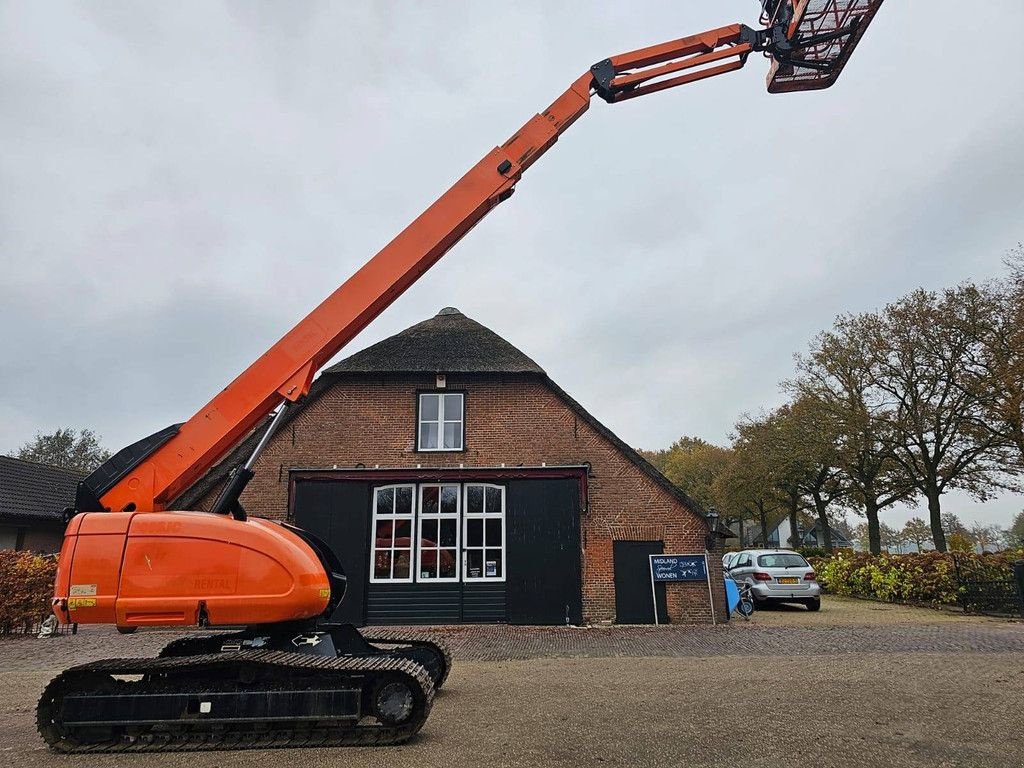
(1018, 573)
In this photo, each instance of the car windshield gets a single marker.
(785, 560)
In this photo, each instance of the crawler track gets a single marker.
(415, 646)
(253, 676)
(400, 640)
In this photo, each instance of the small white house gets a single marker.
(779, 536)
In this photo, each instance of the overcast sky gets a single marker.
(181, 182)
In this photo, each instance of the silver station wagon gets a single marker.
(778, 576)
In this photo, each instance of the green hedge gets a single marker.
(927, 577)
(26, 582)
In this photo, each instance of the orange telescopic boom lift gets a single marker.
(292, 677)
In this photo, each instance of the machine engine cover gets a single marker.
(184, 568)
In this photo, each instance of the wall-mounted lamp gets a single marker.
(712, 534)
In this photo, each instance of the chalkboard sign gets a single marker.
(679, 567)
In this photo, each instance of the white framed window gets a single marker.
(441, 421)
(483, 557)
(392, 534)
(438, 547)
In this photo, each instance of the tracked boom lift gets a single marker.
(294, 678)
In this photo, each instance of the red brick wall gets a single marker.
(512, 421)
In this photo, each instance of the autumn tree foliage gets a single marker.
(692, 464)
(1015, 533)
(922, 397)
(836, 373)
(1004, 361)
(917, 532)
(743, 489)
(26, 582)
(926, 357)
(67, 448)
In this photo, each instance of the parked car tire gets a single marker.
(813, 605)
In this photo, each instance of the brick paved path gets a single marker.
(499, 643)
(879, 685)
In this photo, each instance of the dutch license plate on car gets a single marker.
(788, 580)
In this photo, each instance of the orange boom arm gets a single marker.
(286, 370)
(148, 475)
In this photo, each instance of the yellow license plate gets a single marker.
(788, 580)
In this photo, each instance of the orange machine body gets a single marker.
(186, 568)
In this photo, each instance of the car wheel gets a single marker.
(127, 630)
(813, 604)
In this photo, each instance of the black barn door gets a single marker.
(339, 513)
(633, 583)
(543, 544)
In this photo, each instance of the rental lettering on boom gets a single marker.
(292, 677)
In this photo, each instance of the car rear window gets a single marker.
(781, 561)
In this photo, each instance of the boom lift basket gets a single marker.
(817, 33)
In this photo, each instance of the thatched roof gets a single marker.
(449, 342)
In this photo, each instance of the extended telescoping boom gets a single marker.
(293, 677)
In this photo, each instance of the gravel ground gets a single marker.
(923, 689)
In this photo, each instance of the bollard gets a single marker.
(1018, 575)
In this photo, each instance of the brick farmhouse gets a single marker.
(456, 483)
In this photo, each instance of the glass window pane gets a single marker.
(449, 500)
(475, 499)
(402, 560)
(494, 532)
(428, 407)
(446, 564)
(492, 563)
(448, 532)
(474, 563)
(428, 499)
(429, 533)
(383, 533)
(382, 565)
(428, 436)
(453, 435)
(453, 407)
(428, 563)
(385, 501)
(474, 533)
(403, 533)
(403, 500)
(493, 501)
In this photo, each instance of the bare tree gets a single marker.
(987, 537)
